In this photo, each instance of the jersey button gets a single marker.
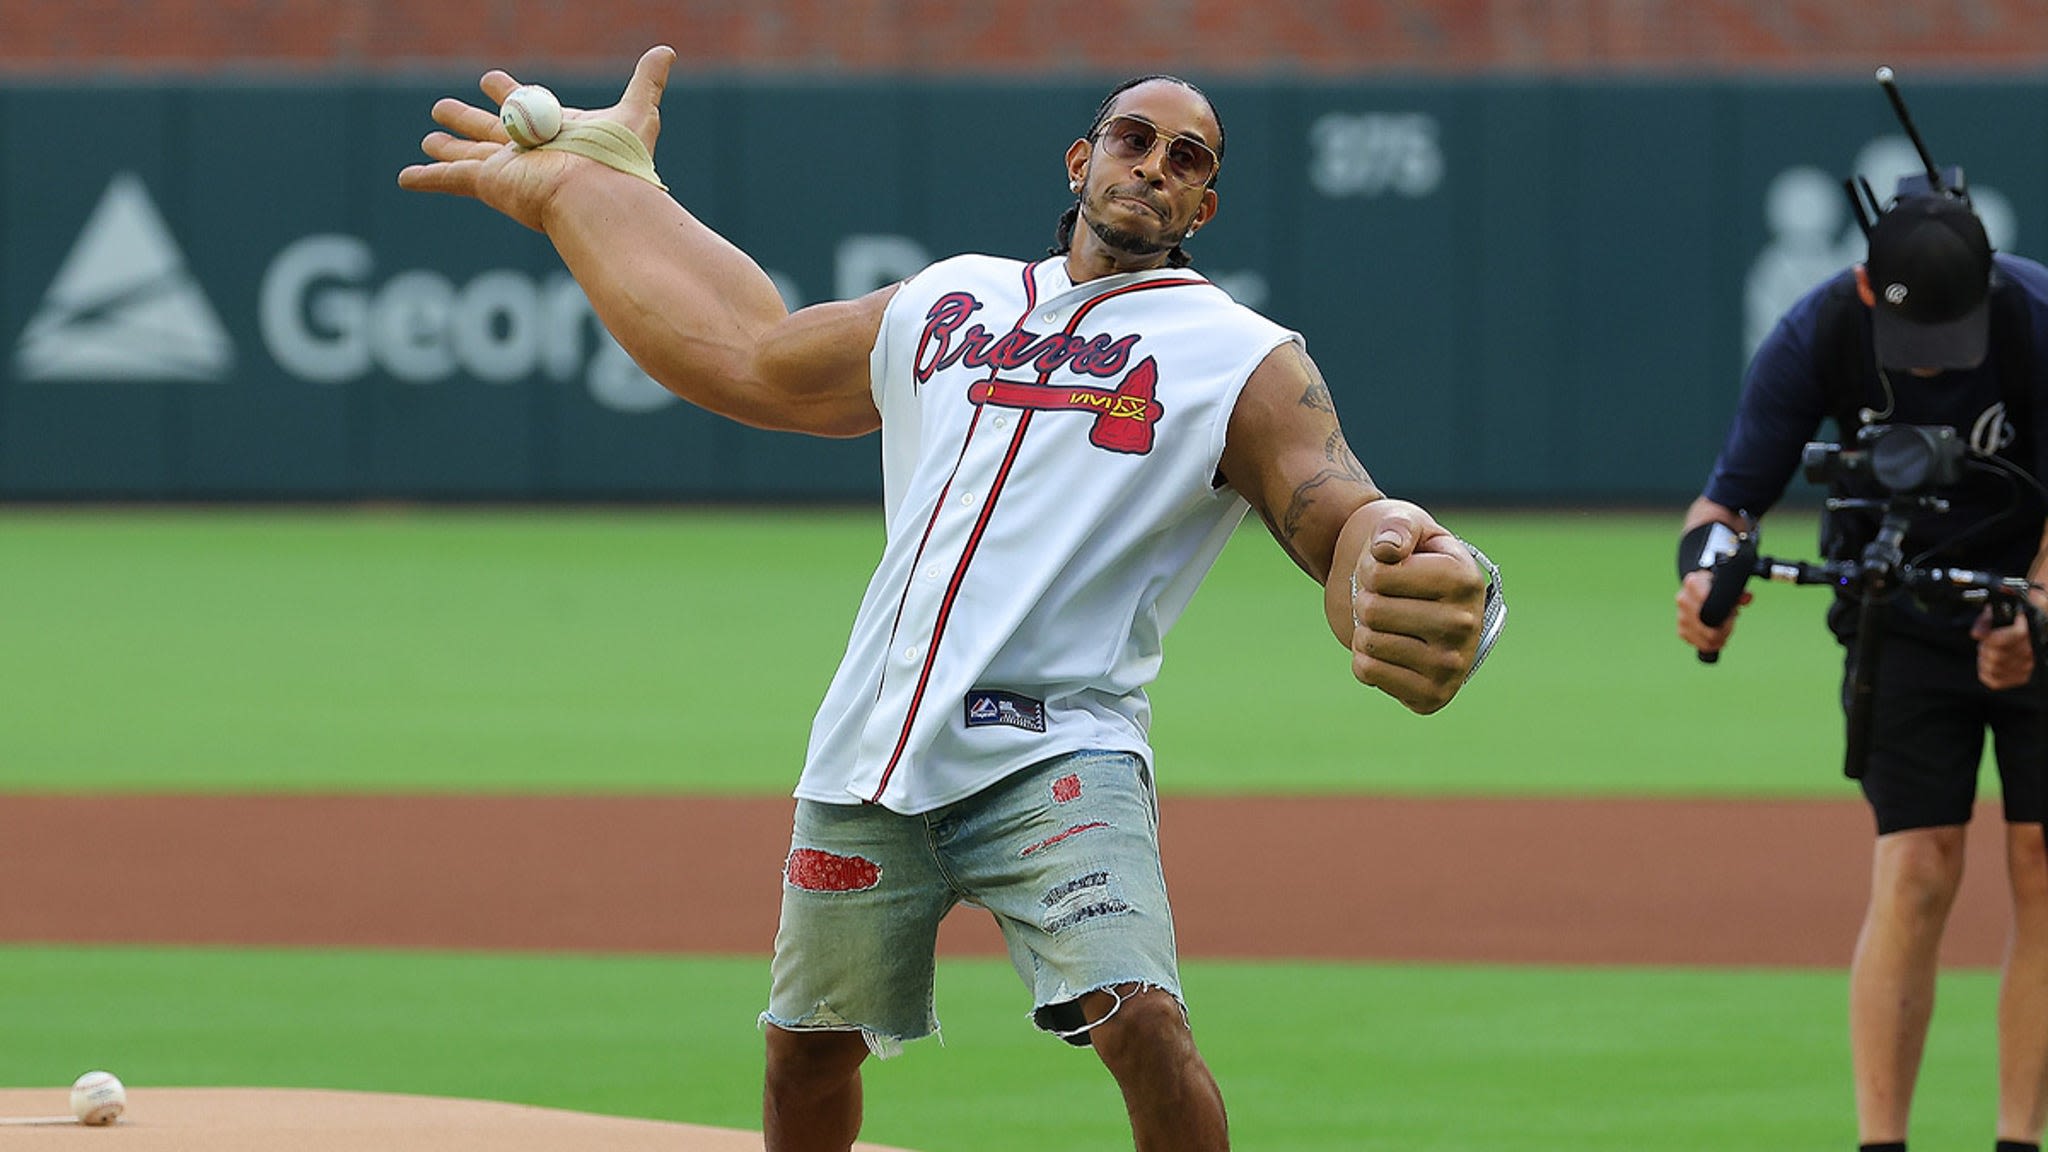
(1002, 422)
(911, 653)
(967, 499)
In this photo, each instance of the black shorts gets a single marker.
(1927, 739)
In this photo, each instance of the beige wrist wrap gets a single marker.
(609, 143)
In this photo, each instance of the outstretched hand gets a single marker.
(475, 157)
(1417, 606)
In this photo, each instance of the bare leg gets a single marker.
(1173, 1100)
(2023, 996)
(1913, 880)
(812, 1099)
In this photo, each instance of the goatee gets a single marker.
(1124, 241)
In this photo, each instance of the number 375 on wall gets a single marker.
(1375, 154)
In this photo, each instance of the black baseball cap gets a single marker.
(1930, 270)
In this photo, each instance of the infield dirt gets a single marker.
(1472, 880)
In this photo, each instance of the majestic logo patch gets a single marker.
(1123, 417)
(987, 708)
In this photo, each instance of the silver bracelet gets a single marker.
(1491, 620)
(1496, 612)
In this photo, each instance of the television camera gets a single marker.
(1909, 464)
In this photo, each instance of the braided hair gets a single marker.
(1063, 232)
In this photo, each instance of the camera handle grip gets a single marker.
(1732, 571)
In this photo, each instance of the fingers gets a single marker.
(1692, 592)
(2005, 654)
(468, 120)
(1422, 676)
(473, 135)
(1435, 622)
(456, 179)
(1417, 604)
(457, 163)
(1425, 574)
(497, 84)
(1417, 621)
(444, 147)
(650, 78)
(1402, 532)
(1416, 691)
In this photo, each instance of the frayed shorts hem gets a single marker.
(884, 1045)
(1063, 1018)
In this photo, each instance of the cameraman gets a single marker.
(1932, 329)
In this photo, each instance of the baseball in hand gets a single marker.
(532, 115)
(97, 1098)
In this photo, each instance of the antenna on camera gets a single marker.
(1863, 202)
(1891, 90)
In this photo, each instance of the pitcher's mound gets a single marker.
(305, 1120)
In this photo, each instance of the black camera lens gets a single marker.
(1914, 458)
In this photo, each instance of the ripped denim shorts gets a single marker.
(1064, 854)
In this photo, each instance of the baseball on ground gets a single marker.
(98, 1098)
(532, 115)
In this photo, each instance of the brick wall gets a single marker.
(1016, 37)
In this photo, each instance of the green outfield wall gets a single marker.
(1520, 290)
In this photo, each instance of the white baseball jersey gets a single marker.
(1049, 458)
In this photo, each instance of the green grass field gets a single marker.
(677, 652)
(1311, 1057)
(604, 651)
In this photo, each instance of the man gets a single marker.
(1932, 329)
(1067, 445)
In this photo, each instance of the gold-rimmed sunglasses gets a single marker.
(1130, 137)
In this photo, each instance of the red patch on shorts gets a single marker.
(1066, 789)
(815, 871)
(1049, 841)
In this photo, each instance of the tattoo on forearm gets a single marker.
(1317, 394)
(1344, 467)
(1286, 540)
(1337, 451)
(1342, 474)
(1305, 496)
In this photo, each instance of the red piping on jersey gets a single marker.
(988, 507)
(917, 557)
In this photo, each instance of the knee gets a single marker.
(1149, 1024)
(812, 1060)
(1923, 872)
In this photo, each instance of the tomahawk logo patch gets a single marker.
(1123, 417)
(987, 708)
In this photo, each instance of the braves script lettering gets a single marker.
(944, 344)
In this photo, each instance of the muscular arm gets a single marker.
(1287, 456)
(701, 318)
(1414, 625)
(695, 312)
